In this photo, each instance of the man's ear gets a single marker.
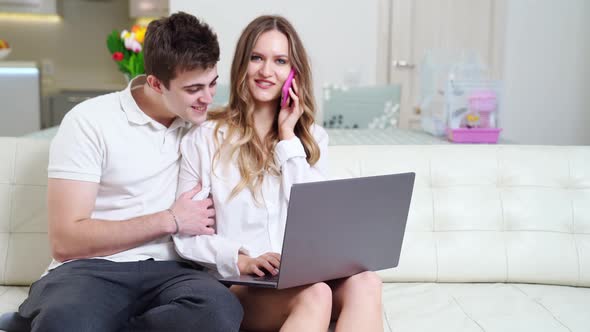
(155, 83)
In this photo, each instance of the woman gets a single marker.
(247, 157)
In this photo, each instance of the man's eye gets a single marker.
(213, 84)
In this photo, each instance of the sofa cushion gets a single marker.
(12, 297)
(443, 307)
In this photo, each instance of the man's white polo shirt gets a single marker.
(134, 159)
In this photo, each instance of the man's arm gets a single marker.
(73, 235)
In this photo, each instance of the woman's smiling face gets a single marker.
(269, 66)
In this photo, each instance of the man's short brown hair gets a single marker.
(179, 43)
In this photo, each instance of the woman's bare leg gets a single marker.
(357, 303)
(305, 308)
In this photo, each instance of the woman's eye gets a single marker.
(255, 58)
(282, 61)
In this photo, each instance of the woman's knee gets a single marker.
(317, 296)
(365, 283)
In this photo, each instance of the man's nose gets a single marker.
(207, 97)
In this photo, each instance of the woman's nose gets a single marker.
(266, 69)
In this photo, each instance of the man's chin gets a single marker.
(198, 120)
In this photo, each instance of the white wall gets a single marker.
(547, 72)
(340, 36)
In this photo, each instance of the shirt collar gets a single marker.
(132, 111)
(179, 123)
(135, 115)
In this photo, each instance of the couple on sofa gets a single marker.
(140, 203)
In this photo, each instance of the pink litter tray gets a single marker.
(474, 135)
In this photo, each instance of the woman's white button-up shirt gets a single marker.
(242, 224)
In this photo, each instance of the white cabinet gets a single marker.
(19, 92)
(148, 8)
(46, 7)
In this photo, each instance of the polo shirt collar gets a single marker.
(179, 123)
(135, 114)
(132, 111)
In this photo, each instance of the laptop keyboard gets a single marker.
(268, 277)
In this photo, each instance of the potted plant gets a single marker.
(126, 49)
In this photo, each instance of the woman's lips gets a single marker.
(264, 84)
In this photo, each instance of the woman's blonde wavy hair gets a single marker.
(255, 156)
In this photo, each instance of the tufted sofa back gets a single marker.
(485, 213)
(24, 245)
(479, 213)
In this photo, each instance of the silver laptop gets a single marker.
(339, 228)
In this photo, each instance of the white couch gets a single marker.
(498, 237)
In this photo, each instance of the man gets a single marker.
(113, 172)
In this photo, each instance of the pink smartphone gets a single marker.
(286, 87)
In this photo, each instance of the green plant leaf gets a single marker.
(114, 42)
(132, 61)
(138, 65)
(141, 65)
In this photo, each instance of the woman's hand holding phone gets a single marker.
(290, 111)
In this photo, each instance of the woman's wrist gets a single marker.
(242, 263)
(286, 134)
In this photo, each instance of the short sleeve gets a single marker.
(77, 150)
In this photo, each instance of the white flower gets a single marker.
(125, 34)
(132, 44)
(130, 41)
